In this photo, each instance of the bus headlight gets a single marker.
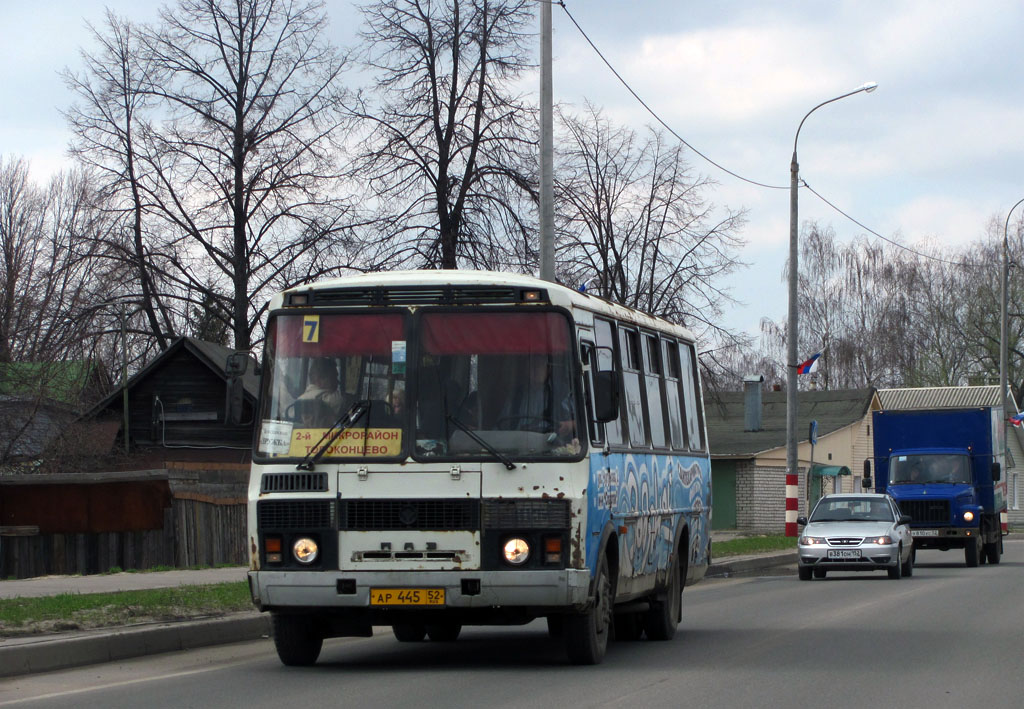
(968, 516)
(516, 551)
(305, 550)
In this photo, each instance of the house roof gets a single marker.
(939, 397)
(832, 410)
(212, 355)
(62, 382)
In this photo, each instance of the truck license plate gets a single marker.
(840, 554)
(924, 532)
(406, 596)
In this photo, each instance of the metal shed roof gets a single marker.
(939, 398)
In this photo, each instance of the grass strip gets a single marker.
(751, 545)
(73, 611)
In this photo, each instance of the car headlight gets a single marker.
(884, 539)
(810, 541)
(305, 550)
(516, 551)
(968, 516)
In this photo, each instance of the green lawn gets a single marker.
(751, 545)
(71, 611)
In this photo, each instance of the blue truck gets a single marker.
(943, 468)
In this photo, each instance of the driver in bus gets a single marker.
(537, 406)
(321, 403)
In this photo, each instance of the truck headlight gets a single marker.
(516, 551)
(968, 516)
(305, 550)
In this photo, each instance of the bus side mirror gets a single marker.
(866, 482)
(995, 472)
(606, 396)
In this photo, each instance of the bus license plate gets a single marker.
(840, 554)
(406, 596)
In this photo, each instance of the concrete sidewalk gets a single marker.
(43, 653)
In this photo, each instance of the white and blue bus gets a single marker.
(437, 449)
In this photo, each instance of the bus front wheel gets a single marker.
(296, 639)
(586, 635)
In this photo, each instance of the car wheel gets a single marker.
(804, 572)
(819, 573)
(444, 632)
(896, 570)
(971, 554)
(586, 635)
(908, 568)
(409, 632)
(296, 639)
(666, 608)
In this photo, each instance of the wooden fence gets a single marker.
(204, 525)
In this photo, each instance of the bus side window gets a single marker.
(589, 368)
(604, 334)
(673, 405)
(652, 381)
(690, 403)
(629, 351)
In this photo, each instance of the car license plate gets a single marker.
(406, 596)
(924, 532)
(840, 554)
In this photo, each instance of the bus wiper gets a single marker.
(487, 446)
(346, 421)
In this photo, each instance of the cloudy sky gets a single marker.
(932, 156)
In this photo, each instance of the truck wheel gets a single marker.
(445, 632)
(992, 551)
(296, 639)
(971, 554)
(667, 607)
(409, 632)
(586, 635)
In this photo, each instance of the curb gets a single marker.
(20, 656)
(746, 564)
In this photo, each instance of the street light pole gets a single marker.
(1004, 322)
(791, 332)
(547, 201)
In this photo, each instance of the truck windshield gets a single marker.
(929, 468)
(477, 385)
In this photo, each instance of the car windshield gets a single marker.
(853, 509)
(929, 468)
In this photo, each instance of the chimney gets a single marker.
(752, 402)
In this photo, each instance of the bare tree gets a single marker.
(448, 156)
(634, 224)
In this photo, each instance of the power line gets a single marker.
(730, 172)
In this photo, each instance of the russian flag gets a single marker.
(1017, 419)
(810, 365)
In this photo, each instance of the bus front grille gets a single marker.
(526, 514)
(441, 515)
(298, 515)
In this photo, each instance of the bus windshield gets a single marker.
(471, 385)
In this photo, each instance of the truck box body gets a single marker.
(938, 466)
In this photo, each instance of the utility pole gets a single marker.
(547, 207)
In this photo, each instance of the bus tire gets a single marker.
(667, 606)
(296, 639)
(586, 634)
(444, 632)
(409, 632)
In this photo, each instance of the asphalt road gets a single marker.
(948, 637)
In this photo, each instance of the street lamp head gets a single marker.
(868, 87)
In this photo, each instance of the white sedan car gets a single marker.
(855, 532)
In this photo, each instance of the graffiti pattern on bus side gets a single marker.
(646, 493)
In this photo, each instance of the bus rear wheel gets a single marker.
(667, 607)
(296, 639)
